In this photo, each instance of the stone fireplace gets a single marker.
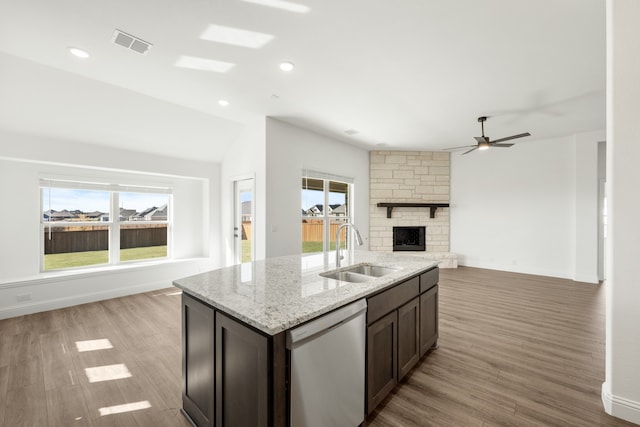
(410, 177)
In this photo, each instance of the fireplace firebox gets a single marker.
(409, 238)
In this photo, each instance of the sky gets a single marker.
(91, 200)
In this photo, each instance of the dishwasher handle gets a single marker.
(324, 323)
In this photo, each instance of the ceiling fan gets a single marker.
(484, 142)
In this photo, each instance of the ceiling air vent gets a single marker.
(131, 42)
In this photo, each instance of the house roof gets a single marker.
(126, 213)
(246, 207)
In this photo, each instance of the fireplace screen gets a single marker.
(409, 238)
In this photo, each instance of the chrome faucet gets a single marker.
(358, 239)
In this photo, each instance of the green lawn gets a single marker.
(307, 248)
(310, 247)
(82, 259)
(246, 250)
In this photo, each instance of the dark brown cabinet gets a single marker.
(392, 338)
(402, 324)
(242, 369)
(197, 362)
(223, 359)
(429, 310)
(382, 358)
(408, 337)
(428, 320)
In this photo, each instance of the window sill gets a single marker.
(58, 276)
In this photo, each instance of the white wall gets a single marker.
(25, 159)
(621, 390)
(290, 150)
(517, 209)
(245, 158)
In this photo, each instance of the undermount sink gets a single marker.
(346, 276)
(359, 273)
(371, 270)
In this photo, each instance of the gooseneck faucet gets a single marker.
(358, 239)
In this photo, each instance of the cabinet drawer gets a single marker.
(385, 302)
(428, 279)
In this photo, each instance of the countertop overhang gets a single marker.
(277, 294)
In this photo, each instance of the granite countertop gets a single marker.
(276, 294)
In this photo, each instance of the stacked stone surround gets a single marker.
(410, 177)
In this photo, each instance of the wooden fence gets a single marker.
(311, 231)
(97, 239)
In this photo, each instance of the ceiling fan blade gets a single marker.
(458, 148)
(500, 145)
(467, 152)
(520, 135)
(481, 139)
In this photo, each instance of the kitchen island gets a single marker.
(235, 319)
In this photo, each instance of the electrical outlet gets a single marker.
(23, 297)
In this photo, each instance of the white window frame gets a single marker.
(113, 225)
(326, 218)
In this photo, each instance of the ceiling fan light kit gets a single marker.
(484, 143)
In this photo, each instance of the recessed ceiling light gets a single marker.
(287, 66)
(204, 64)
(223, 102)
(351, 132)
(75, 51)
(381, 144)
(235, 36)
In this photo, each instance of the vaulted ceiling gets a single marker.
(404, 75)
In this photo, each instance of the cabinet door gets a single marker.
(198, 361)
(242, 374)
(408, 336)
(428, 320)
(382, 356)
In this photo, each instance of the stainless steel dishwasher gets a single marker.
(327, 369)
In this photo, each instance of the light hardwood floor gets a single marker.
(515, 350)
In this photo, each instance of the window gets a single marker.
(88, 224)
(326, 204)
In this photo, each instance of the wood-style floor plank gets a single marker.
(514, 350)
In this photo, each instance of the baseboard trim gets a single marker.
(594, 280)
(56, 303)
(620, 407)
(514, 269)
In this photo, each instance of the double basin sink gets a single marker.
(359, 273)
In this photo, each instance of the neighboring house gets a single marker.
(318, 210)
(151, 214)
(126, 214)
(315, 210)
(96, 215)
(246, 211)
(339, 210)
(145, 215)
(53, 215)
(64, 215)
(159, 214)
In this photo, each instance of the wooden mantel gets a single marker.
(432, 207)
